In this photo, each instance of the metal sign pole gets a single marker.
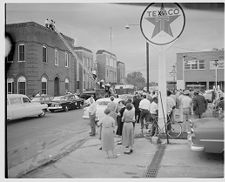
(167, 139)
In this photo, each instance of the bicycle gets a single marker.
(174, 132)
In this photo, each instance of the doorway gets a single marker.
(56, 86)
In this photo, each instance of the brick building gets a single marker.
(106, 66)
(198, 69)
(120, 72)
(84, 81)
(39, 61)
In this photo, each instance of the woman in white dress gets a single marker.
(107, 135)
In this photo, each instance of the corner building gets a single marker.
(198, 69)
(106, 66)
(39, 61)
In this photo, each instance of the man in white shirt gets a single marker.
(144, 107)
(170, 107)
(154, 114)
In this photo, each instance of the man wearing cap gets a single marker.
(186, 105)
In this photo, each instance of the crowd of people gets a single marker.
(120, 118)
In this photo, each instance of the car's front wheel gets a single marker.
(66, 109)
(43, 113)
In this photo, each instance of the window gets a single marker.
(66, 60)
(26, 100)
(10, 85)
(43, 85)
(21, 52)
(194, 64)
(56, 57)
(44, 51)
(201, 64)
(78, 84)
(21, 83)
(67, 84)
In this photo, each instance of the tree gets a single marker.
(136, 79)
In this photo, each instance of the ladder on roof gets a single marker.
(90, 74)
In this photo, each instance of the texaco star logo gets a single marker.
(162, 23)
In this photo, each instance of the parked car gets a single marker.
(207, 134)
(101, 106)
(208, 95)
(20, 106)
(43, 99)
(65, 103)
(126, 97)
(99, 93)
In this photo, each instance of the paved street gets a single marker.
(31, 139)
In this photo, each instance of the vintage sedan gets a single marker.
(207, 134)
(43, 99)
(101, 106)
(20, 106)
(65, 103)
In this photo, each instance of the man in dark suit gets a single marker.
(199, 104)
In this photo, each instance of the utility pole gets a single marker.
(216, 64)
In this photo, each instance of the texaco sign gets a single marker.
(162, 23)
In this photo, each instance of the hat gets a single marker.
(186, 92)
(107, 111)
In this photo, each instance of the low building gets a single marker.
(39, 61)
(200, 70)
(120, 72)
(106, 66)
(84, 81)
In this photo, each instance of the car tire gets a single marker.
(66, 109)
(42, 114)
(52, 111)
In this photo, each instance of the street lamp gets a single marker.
(173, 74)
(147, 55)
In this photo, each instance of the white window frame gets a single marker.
(44, 80)
(189, 63)
(56, 57)
(19, 53)
(21, 79)
(10, 81)
(66, 59)
(44, 47)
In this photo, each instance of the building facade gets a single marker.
(38, 61)
(106, 66)
(199, 70)
(84, 81)
(120, 72)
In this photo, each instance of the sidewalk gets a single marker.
(89, 162)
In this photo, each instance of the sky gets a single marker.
(92, 24)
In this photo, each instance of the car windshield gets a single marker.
(59, 98)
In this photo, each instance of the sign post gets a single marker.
(161, 24)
